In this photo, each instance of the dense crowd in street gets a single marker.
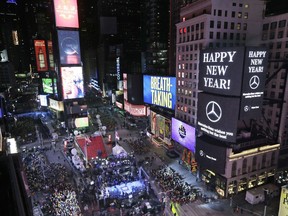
(172, 183)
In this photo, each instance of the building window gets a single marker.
(246, 5)
(231, 36)
(244, 26)
(218, 24)
(282, 24)
(244, 166)
(273, 25)
(218, 35)
(202, 25)
(238, 26)
(211, 24)
(265, 27)
(225, 25)
(280, 34)
(278, 45)
(245, 15)
(233, 14)
(197, 27)
(233, 169)
(239, 14)
(272, 35)
(219, 12)
(254, 163)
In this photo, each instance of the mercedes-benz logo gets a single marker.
(246, 108)
(213, 111)
(254, 82)
(201, 153)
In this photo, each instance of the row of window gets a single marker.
(273, 25)
(277, 45)
(184, 66)
(226, 25)
(186, 118)
(190, 47)
(272, 35)
(192, 28)
(233, 14)
(226, 35)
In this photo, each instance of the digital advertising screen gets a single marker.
(66, 13)
(211, 156)
(183, 134)
(78, 122)
(69, 47)
(41, 55)
(47, 84)
(43, 100)
(72, 82)
(135, 89)
(220, 70)
(218, 116)
(254, 77)
(50, 55)
(159, 91)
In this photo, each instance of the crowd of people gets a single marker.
(138, 145)
(53, 181)
(172, 183)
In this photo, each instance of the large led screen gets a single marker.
(220, 70)
(183, 134)
(66, 13)
(256, 60)
(210, 155)
(160, 91)
(69, 47)
(41, 55)
(72, 82)
(218, 116)
(135, 89)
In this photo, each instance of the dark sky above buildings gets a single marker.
(276, 7)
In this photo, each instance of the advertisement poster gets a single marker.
(48, 85)
(69, 47)
(50, 56)
(161, 126)
(160, 91)
(183, 134)
(66, 13)
(153, 122)
(72, 82)
(167, 129)
(41, 55)
(218, 116)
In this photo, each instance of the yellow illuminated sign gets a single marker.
(283, 205)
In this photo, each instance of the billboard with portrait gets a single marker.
(69, 47)
(41, 55)
(72, 82)
(159, 91)
(210, 155)
(66, 13)
(218, 116)
(183, 134)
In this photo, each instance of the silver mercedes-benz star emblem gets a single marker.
(213, 111)
(254, 82)
(201, 153)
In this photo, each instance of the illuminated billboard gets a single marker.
(50, 55)
(43, 100)
(66, 13)
(218, 116)
(69, 47)
(220, 70)
(159, 91)
(253, 84)
(41, 55)
(72, 82)
(78, 122)
(47, 84)
(210, 155)
(283, 204)
(183, 134)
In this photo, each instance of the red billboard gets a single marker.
(66, 13)
(41, 55)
